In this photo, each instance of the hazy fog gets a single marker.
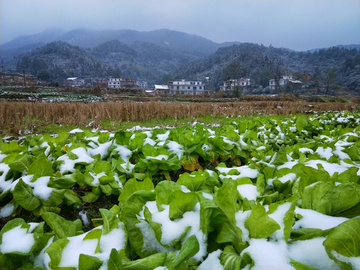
(298, 25)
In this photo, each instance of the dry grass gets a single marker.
(15, 116)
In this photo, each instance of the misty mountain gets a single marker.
(7, 55)
(61, 60)
(140, 60)
(46, 36)
(91, 38)
(161, 55)
(349, 47)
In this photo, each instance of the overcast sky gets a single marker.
(294, 24)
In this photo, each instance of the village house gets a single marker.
(121, 83)
(142, 84)
(114, 83)
(184, 87)
(74, 82)
(306, 77)
(17, 78)
(284, 80)
(230, 84)
(160, 89)
(272, 84)
(101, 82)
(127, 83)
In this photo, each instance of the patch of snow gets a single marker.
(17, 240)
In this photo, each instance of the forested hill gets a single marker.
(60, 60)
(262, 63)
(155, 64)
(139, 60)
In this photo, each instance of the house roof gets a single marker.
(161, 87)
(295, 81)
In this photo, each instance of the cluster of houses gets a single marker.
(17, 78)
(181, 87)
(173, 87)
(284, 80)
(231, 84)
(111, 83)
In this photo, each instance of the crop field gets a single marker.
(261, 192)
(16, 117)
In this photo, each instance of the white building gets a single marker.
(284, 80)
(272, 84)
(229, 85)
(184, 87)
(74, 82)
(114, 83)
(142, 84)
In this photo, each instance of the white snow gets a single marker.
(288, 164)
(324, 152)
(76, 246)
(102, 149)
(353, 261)
(306, 150)
(245, 171)
(124, 152)
(149, 239)
(240, 218)
(176, 148)
(312, 252)
(282, 179)
(287, 177)
(76, 130)
(278, 215)
(69, 164)
(149, 141)
(212, 262)
(172, 229)
(158, 157)
(331, 168)
(128, 167)
(17, 240)
(248, 191)
(84, 218)
(5, 185)
(268, 255)
(163, 137)
(96, 177)
(316, 220)
(40, 187)
(7, 210)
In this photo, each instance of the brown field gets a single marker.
(15, 116)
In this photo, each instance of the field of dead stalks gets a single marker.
(15, 116)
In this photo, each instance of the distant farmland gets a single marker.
(15, 116)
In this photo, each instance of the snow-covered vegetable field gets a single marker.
(261, 193)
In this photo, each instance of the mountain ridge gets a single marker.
(89, 38)
(78, 37)
(160, 62)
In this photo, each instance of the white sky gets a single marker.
(294, 24)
